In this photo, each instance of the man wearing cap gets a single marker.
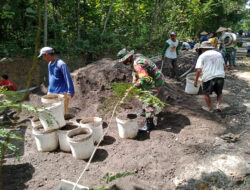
(169, 55)
(7, 84)
(212, 66)
(143, 71)
(60, 81)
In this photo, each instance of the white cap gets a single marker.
(45, 50)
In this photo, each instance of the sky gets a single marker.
(248, 4)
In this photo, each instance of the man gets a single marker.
(143, 70)
(213, 40)
(234, 48)
(9, 85)
(219, 33)
(185, 46)
(204, 36)
(212, 66)
(169, 55)
(60, 81)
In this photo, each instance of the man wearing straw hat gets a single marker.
(219, 32)
(227, 41)
(147, 76)
(234, 47)
(212, 66)
(60, 81)
(204, 36)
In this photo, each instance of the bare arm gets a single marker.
(198, 72)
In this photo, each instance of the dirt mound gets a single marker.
(186, 151)
(92, 85)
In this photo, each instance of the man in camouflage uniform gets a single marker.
(147, 76)
(225, 48)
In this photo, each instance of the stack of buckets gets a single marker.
(51, 130)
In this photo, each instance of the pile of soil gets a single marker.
(179, 154)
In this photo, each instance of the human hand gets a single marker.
(195, 83)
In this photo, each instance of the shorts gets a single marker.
(213, 85)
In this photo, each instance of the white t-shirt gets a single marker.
(186, 45)
(211, 63)
(171, 50)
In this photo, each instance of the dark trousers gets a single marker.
(170, 67)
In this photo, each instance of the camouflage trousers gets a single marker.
(229, 55)
(150, 109)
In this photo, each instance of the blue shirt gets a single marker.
(59, 78)
(203, 38)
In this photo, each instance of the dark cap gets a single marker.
(5, 76)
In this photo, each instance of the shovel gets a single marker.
(184, 74)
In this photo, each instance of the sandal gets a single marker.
(218, 108)
(206, 109)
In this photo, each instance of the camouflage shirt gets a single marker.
(147, 73)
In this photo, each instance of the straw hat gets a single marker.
(229, 30)
(206, 45)
(221, 29)
(204, 33)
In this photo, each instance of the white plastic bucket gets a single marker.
(35, 122)
(53, 116)
(190, 88)
(81, 146)
(46, 141)
(95, 123)
(52, 98)
(69, 185)
(127, 128)
(62, 135)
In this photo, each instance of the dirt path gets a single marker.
(187, 151)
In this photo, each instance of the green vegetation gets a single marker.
(10, 102)
(109, 178)
(95, 28)
(123, 91)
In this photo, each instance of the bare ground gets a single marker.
(190, 149)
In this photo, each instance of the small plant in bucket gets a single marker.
(123, 91)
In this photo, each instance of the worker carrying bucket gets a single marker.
(212, 66)
(147, 76)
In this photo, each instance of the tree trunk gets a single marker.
(55, 19)
(34, 62)
(77, 22)
(107, 17)
(45, 39)
(157, 9)
(154, 21)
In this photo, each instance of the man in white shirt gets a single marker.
(212, 66)
(185, 46)
(169, 55)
